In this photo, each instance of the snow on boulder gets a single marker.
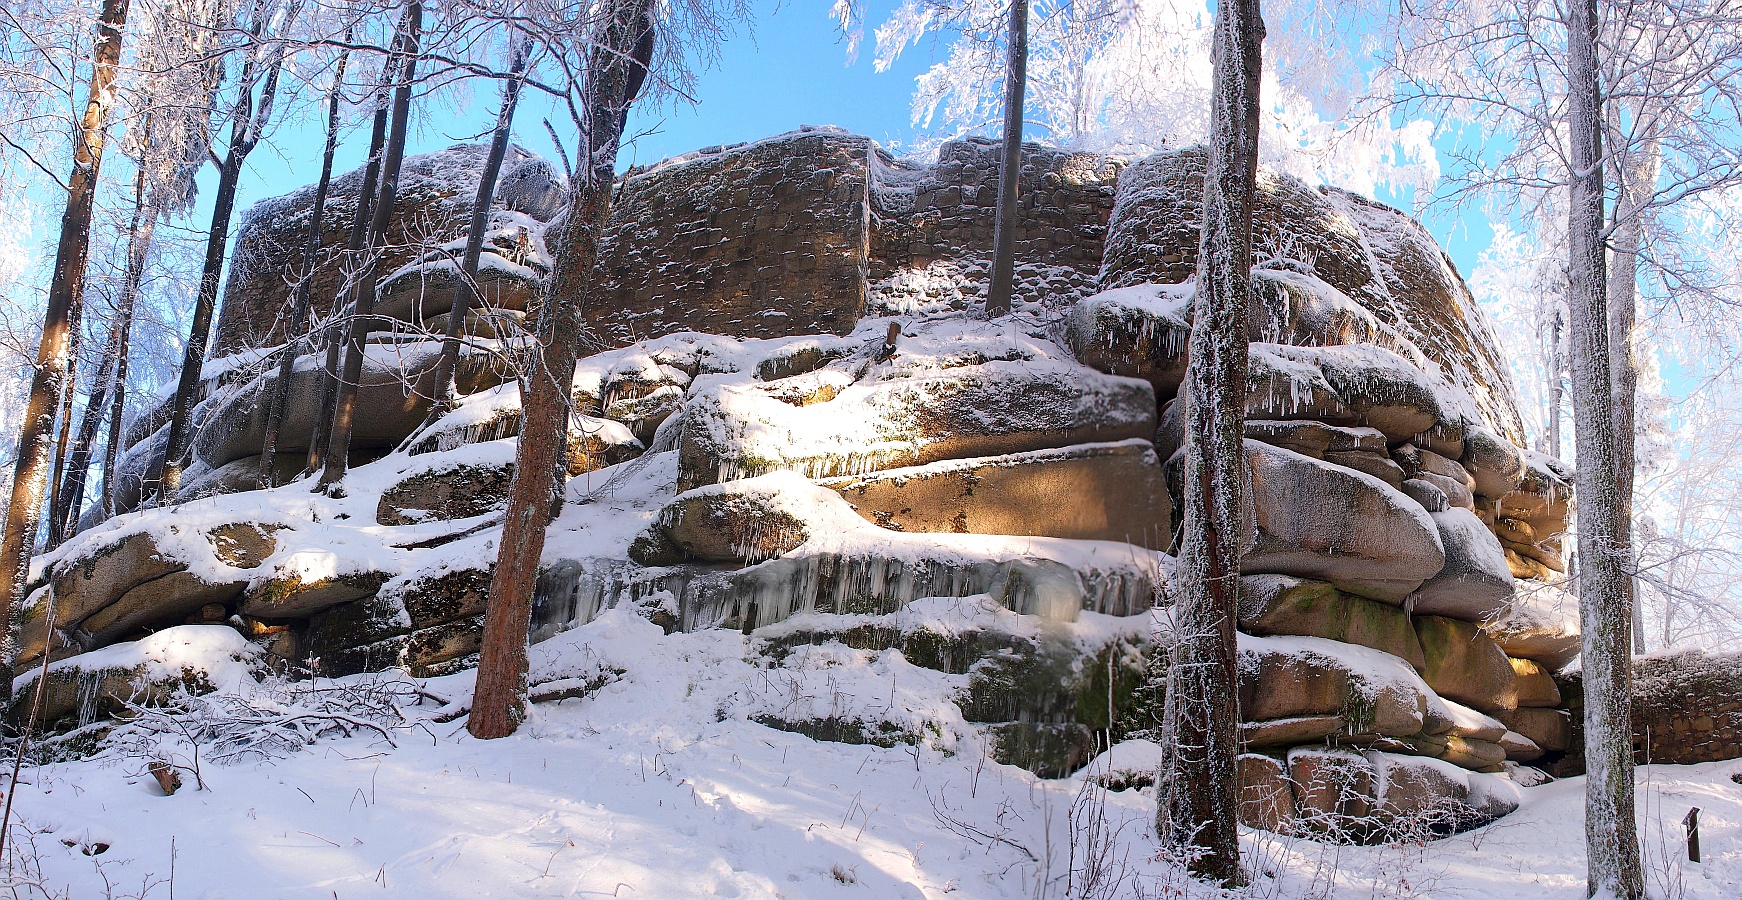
(84, 688)
(1476, 583)
(1371, 692)
(1107, 492)
(1321, 521)
(1141, 331)
(748, 520)
(1290, 306)
(457, 484)
(1541, 623)
(1496, 464)
(392, 399)
(1378, 797)
(983, 409)
(1379, 386)
(1372, 254)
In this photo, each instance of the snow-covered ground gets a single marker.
(661, 785)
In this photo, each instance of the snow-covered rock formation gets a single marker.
(814, 436)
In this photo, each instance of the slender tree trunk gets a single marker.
(614, 72)
(1200, 795)
(998, 295)
(363, 313)
(69, 392)
(72, 495)
(333, 337)
(1611, 839)
(1636, 168)
(1556, 366)
(299, 308)
(246, 125)
(117, 405)
(35, 439)
(482, 204)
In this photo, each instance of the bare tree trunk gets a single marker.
(1003, 285)
(72, 495)
(299, 308)
(482, 204)
(35, 444)
(333, 337)
(69, 392)
(1611, 839)
(1199, 793)
(615, 68)
(1636, 168)
(247, 123)
(1556, 366)
(363, 311)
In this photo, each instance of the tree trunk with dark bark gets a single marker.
(36, 433)
(69, 393)
(1199, 793)
(72, 496)
(363, 310)
(615, 68)
(333, 337)
(482, 204)
(1003, 283)
(247, 123)
(299, 307)
(1611, 839)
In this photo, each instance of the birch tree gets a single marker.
(1199, 790)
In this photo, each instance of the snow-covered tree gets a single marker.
(1198, 789)
(1133, 76)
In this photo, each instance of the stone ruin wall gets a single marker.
(939, 220)
(765, 239)
(434, 204)
(1687, 709)
(804, 233)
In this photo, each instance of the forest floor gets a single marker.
(661, 785)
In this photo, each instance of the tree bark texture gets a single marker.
(1636, 168)
(247, 123)
(69, 392)
(363, 311)
(1198, 814)
(297, 324)
(72, 251)
(112, 369)
(1611, 840)
(1003, 283)
(333, 336)
(615, 67)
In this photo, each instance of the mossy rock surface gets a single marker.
(1284, 605)
(841, 730)
(454, 493)
(1050, 750)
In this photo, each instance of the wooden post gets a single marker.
(1691, 822)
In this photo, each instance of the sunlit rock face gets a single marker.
(797, 422)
